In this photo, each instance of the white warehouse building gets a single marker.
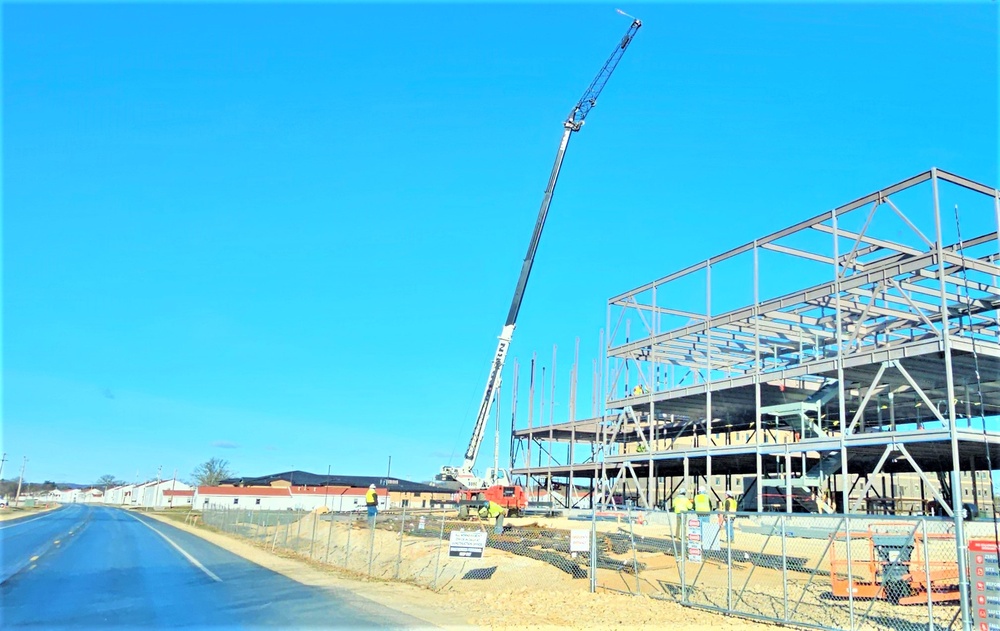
(305, 498)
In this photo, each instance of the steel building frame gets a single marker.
(900, 345)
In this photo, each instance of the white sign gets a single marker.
(467, 543)
(579, 541)
(694, 540)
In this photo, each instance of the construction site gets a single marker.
(866, 391)
(826, 392)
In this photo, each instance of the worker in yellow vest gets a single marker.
(701, 502)
(371, 501)
(729, 507)
(681, 505)
(492, 510)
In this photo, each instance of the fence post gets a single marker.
(329, 534)
(312, 539)
(730, 528)
(683, 556)
(437, 563)
(631, 536)
(371, 544)
(784, 566)
(298, 534)
(593, 545)
(284, 541)
(399, 554)
(927, 574)
(274, 541)
(850, 573)
(347, 550)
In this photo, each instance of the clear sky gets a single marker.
(288, 235)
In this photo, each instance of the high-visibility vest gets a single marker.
(701, 503)
(494, 510)
(729, 505)
(681, 504)
(371, 498)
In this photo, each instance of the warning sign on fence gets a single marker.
(579, 541)
(467, 543)
(983, 557)
(694, 540)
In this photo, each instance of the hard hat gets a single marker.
(371, 486)
(486, 504)
(683, 491)
(729, 494)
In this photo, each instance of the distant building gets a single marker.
(72, 496)
(156, 494)
(307, 491)
(179, 498)
(299, 498)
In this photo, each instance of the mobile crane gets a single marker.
(573, 123)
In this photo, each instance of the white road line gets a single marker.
(24, 521)
(195, 562)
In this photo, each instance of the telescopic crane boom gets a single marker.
(573, 123)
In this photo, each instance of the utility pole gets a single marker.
(20, 480)
(173, 489)
(2, 460)
(326, 491)
(389, 468)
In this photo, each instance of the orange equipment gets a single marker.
(513, 498)
(899, 566)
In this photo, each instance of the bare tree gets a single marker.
(108, 481)
(211, 472)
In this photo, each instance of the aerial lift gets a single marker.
(495, 476)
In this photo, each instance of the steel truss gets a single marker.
(884, 350)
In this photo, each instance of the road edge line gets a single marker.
(10, 523)
(195, 562)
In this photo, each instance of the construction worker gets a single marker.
(729, 507)
(701, 502)
(493, 510)
(371, 501)
(681, 505)
(636, 391)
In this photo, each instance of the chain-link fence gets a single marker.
(434, 548)
(855, 573)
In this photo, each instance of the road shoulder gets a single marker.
(419, 602)
(14, 515)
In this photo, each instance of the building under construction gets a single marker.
(847, 363)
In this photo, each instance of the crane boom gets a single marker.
(573, 123)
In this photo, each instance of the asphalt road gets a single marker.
(87, 566)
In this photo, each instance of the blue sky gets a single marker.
(288, 235)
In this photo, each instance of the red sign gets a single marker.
(982, 545)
